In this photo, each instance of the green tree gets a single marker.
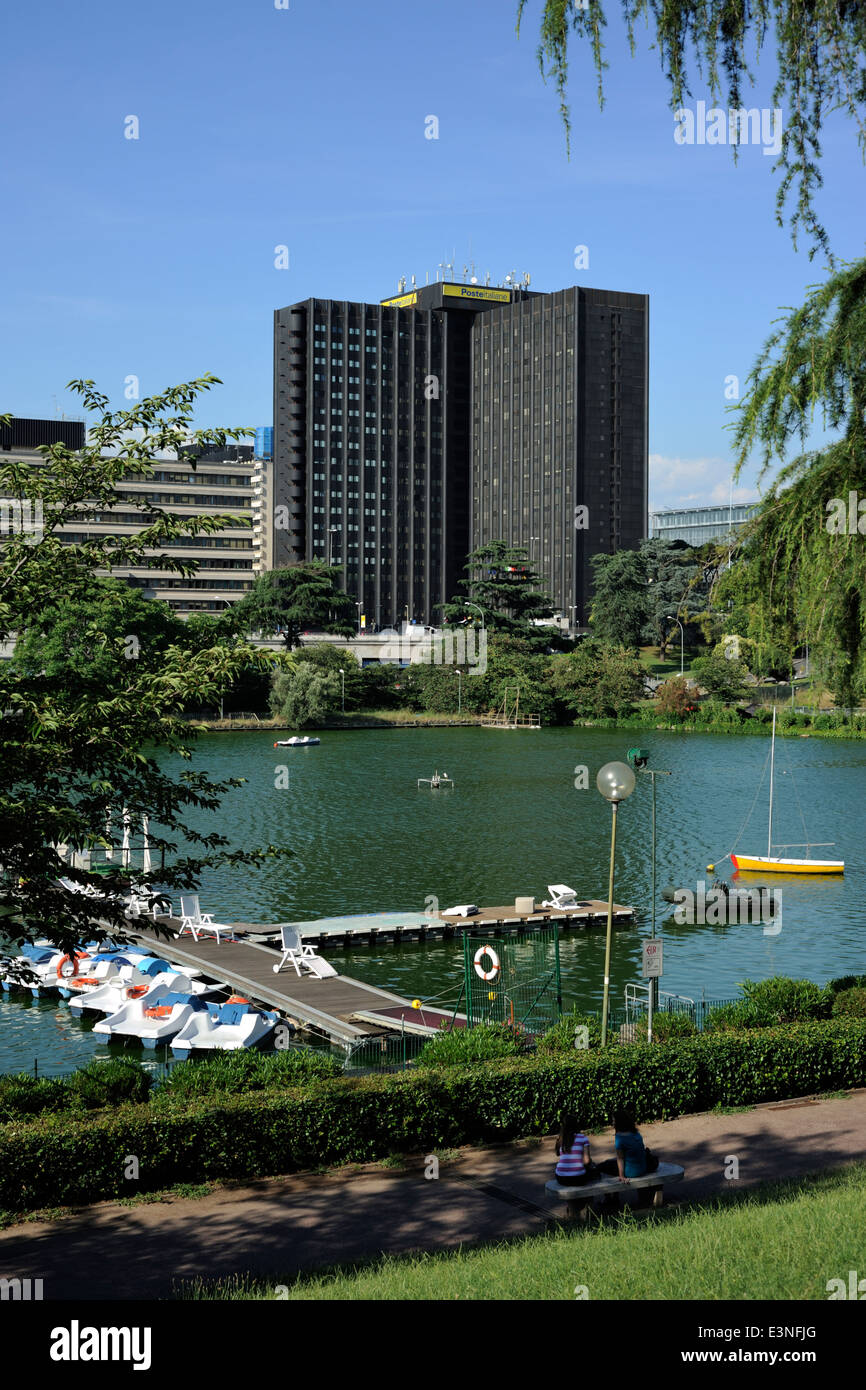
(804, 554)
(597, 679)
(74, 753)
(677, 586)
(305, 694)
(295, 598)
(819, 51)
(90, 639)
(502, 583)
(721, 676)
(620, 604)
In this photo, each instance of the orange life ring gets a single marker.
(495, 967)
(135, 991)
(73, 961)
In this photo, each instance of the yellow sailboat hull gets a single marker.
(763, 864)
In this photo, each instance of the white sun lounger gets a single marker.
(561, 896)
(199, 923)
(301, 957)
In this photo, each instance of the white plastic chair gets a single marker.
(301, 957)
(196, 922)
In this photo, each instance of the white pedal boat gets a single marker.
(130, 983)
(225, 1027)
(154, 1017)
(296, 742)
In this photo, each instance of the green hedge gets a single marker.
(63, 1159)
(93, 1087)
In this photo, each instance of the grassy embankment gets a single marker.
(779, 1241)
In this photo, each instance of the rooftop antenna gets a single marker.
(413, 282)
(487, 278)
(465, 273)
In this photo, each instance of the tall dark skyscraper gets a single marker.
(409, 432)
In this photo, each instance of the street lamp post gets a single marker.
(343, 685)
(671, 619)
(459, 690)
(638, 758)
(359, 604)
(466, 604)
(615, 781)
(332, 531)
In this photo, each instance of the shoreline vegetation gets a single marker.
(831, 724)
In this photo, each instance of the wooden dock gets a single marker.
(339, 1008)
(374, 927)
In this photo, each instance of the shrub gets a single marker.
(561, 1038)
(99, 1084)
(847, 982)
(75, 1158)
(234, 1073)
(21, 1096)
(107, 1083)
(850, 1002)
(483, 1043)
(768, 1002)
(667, 1027)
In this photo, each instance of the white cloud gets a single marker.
(697, 482)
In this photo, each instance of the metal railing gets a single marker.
(389, 1052)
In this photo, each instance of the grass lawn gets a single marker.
(669, 665)
(777, 1241)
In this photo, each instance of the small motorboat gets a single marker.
(227, 1027)
(152, 1017)
(296, 742)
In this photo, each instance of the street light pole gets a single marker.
(459, 690)
(672, 619)
(637, 757)
(343, 685)
(615, 781)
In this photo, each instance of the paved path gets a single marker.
(278, 1226)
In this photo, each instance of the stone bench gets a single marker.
(581, 1197)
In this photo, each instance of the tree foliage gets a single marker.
(599, 679)
(294, 598)
(819, 56)
(801, 571)
(304, 694)
(74, 751)
(721, 676)
(503, 584)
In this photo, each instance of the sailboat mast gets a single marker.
(772, 771)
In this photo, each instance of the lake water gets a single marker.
(365, 838)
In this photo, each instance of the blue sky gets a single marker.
(305, 127)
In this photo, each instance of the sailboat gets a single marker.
(773, 863)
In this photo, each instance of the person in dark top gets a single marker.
(633, 1159)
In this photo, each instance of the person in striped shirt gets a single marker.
(574, 1164)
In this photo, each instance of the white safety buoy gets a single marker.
(494, 963)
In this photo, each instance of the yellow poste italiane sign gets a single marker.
(402, 301)
(473, 292)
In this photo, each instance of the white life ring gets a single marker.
(495, 967)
